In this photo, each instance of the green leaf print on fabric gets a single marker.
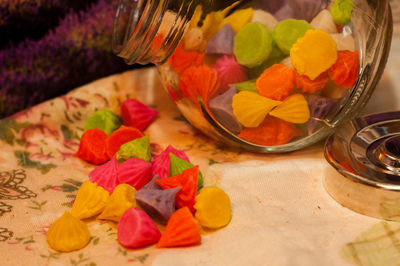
(37, 205)
(142, 258)
(379, 245)
(25, 161)
(8, 128)
(68, 133)
(81, 259)
(71, 185)
(51, 255)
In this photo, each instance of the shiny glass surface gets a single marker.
(140, 23)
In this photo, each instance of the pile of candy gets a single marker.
(140, 192)
(267, 81)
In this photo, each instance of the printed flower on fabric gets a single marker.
(48, 144)
(74, 110)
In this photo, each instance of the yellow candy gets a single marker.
(213, 207)
(294, 109)
(90, 200)
(239, 18)
(68, 233)
(314, 53)
(214, 22)
(250, 108)
(122, 198)
(196, 17)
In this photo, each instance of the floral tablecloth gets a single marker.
(281, 213)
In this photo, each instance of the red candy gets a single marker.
(136, 229)
(181, 230)
(136, 114)
(188, 181)
(120, 136)
(92, 147)
(345, 71)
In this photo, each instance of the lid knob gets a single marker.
(388, 153)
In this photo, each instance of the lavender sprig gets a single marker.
(76, 52)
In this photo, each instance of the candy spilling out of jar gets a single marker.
(276, 74)
(156, 199)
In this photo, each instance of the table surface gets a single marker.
(281, 213)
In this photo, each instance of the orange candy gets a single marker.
(156, 43)
(92, 147)
(121, 136)
(306, 85)
(276, 82)
(199, 80)
(345, 71)
(187, 180)
(181, 59)
(272, 131)
(181, 230)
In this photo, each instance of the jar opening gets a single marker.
(149, 31)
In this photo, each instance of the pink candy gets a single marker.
(160, 164)
(229, 72)
(135, 172)
(136, 229)
(106, 175)
(136, 114)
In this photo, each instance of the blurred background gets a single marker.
(49, 47)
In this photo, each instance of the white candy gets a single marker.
(324, 21)
(344, 42)
(193, 39)
(287, 61)
(264, 18)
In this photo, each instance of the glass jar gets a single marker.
(264, 75)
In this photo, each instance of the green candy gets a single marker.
(137, 148)
(275, 57)
(104, 120)
(287, 32)
(341, 11)
(177, 165)
(252, 45)
(248, 85)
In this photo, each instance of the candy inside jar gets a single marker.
(270, 76)
(267, 81)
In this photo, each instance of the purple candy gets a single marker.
(301, 9)
(152, 184)
(159, 204)
(271, 6)
(222, 42)
(221, 107)
(319, 108)
(285, 12)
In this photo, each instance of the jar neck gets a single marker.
(148, 31)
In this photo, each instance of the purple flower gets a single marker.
(76, 52)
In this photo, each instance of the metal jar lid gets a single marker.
(365, 157)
